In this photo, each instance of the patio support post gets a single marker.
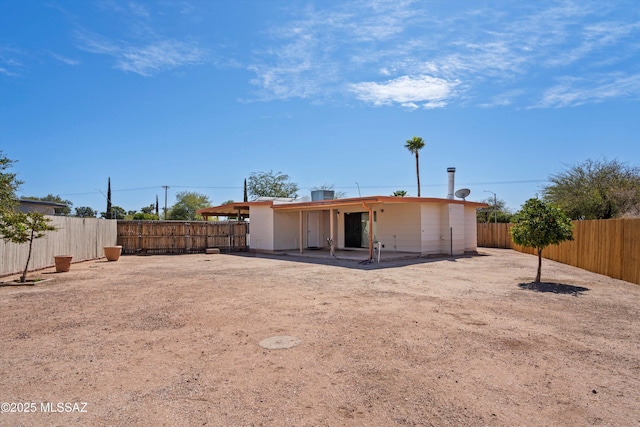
(331, 231)
(300, 238)
(370, 230)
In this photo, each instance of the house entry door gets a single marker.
(353, 229)
(313, 229)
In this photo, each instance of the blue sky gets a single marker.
(196, 95)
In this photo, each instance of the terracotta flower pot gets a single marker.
(112, 252)
(63, 263)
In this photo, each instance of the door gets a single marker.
(353, 229)
(313, 229)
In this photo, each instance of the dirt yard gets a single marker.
(175, 341)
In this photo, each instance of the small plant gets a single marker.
(20, 227)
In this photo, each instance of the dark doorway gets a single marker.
(353, 229)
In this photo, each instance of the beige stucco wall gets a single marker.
(457, 224)
(431, 228)
(398, 227)
(287, 226)
(261, 228)
(470, 229)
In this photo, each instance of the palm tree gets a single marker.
(414, 145)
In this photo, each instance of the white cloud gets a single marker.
(409, 92)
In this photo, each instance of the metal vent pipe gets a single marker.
(451, 172)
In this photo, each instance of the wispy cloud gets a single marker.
(64, 59)
(145, 59)
(163, 55)
(572, 92)
(10, 66)
(307, 58)
(417, 54)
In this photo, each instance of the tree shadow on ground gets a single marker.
(556, 288)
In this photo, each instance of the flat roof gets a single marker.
(232, 209)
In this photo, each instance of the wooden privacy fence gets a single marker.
(83, 238)
(180, 237)
(610, 247)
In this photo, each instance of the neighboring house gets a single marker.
(420, 225)
(47, 208)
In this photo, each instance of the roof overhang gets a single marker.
(359, 201)
(243, 208)
(231, 209)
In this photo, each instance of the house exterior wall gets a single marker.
(325, 228)
(26, 207)
(431, 229)
(470, 229)
(262, 228)
(457, 224)
(398, 227)
(286, 235)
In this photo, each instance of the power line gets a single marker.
(526, 181)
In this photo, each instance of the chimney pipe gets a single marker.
(451, 172)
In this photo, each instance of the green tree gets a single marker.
(496, 211)
(117, 212)
(414, 145)
(268, 184)
(20, 227)
(8, 185)
(188, 202)
(85, 212)
(400, 193)
(148, 209)
(596, 189)
(109, 207)
(538, 225)
(65, 211)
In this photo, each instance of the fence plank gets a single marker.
(610, 247)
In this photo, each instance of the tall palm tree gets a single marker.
(414, 145)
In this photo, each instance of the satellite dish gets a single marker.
(462, 193)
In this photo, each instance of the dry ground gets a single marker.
(173, 341)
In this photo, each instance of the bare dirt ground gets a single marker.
(174, 341)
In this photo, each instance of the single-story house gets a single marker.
(42, 206)
(419, 225)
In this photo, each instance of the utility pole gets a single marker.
(495, 206)
(166, 187)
